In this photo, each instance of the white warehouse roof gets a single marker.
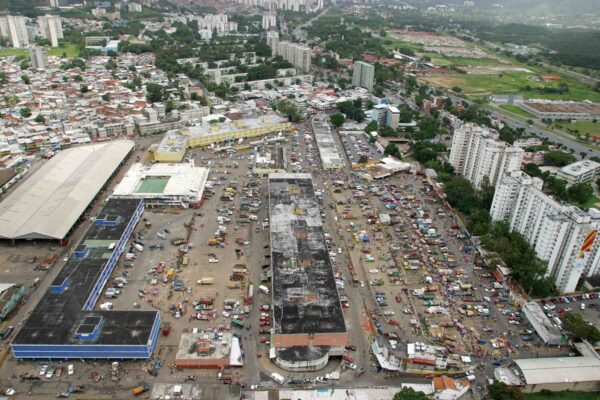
(183, 180)
(557, 370)
(48, 203)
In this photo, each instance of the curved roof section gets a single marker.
(48, 203)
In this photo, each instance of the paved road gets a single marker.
(515, 123)
(299, 31)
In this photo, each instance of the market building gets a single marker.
(176, 142)
(53, 198)
(65, 323)
(164, 185)
(557, 374)
(308, 322)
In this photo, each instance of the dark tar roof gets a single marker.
(57, 316)
(305, 296)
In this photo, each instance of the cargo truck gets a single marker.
(206, 281)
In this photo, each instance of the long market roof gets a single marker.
(48, 203)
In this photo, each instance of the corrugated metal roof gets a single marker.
(50, 201)
(559, 369)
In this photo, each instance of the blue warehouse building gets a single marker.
(65, 325)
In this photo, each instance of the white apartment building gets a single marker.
(13, 27)
(291, 5)
(269, 21)
(555, 231)
(527, 142)
(50, 28)
(363, 75)
(297, 54)
(218, 22)
(386, 115)
(38, 57)
(134, 7)
(273, 41)
(475, 154)
(579, 172)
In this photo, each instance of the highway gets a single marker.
(515, 123)
(572, 144)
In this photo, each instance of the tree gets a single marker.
(154, 92)
(363, 159)
(456, 89)
(558, 158)
(371, 127)
(460, 194)
(410, 394)
(580, 329)
(106, 96)
(289, 109)
(11, 100)
(25, 79)
(406, 114)
(532, 170)
(40, 119)
(387, 131)
(580, 192)
(501, 391)
(352, 110)
(169, 106)
(25, 112)
(392, 150)
(337, 119)
(84, 89)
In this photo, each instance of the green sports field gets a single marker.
(153, 185)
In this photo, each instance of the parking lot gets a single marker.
(556, 308)
(356, 146)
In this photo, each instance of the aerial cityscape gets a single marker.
(300, 199)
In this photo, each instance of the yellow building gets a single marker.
(173, 146)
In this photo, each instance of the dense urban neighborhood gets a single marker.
(299, 199)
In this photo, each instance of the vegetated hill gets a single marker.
(25, 7)
(572, 47)
(547, 7)
(538, 8)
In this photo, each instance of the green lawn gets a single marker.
(516, 110)
(13, 52)
(469, 62)
(582, 126)
(564, 396)
(392, 43)
(484, 85)
(69, 49)
(592, 202)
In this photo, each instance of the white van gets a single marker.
(278, 378)
(264, 289)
